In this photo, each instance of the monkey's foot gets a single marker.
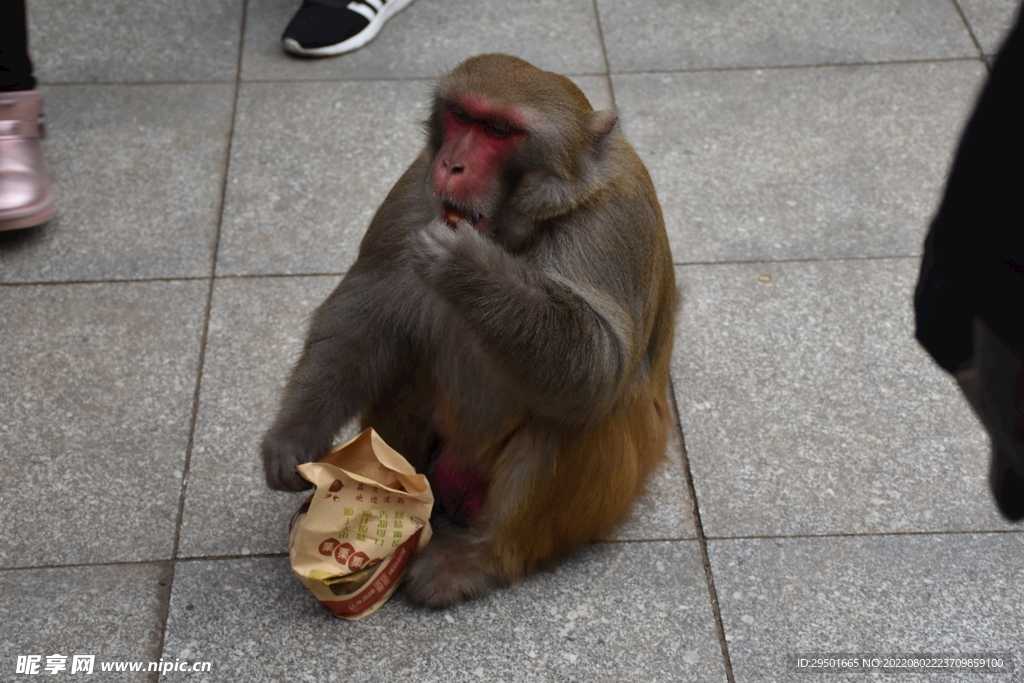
(445, 572)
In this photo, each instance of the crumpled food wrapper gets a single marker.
(351, 541)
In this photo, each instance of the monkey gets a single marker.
(507, 325)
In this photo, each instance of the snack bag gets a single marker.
(351, 541)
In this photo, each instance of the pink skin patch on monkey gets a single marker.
(459, 492)
(478, 137)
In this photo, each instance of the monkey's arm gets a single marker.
(352, 348)
(357, 339)
(564, 348)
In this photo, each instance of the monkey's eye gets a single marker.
(461, 116)
(499, 129)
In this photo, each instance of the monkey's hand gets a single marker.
(436, 246)
(281, 453)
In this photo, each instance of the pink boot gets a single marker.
(25, 196)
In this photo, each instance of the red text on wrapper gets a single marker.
(343, 553)
(328, 547)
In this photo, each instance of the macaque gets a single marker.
(507, 326)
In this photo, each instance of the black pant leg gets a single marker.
(15, 65)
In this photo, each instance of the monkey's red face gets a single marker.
(478, 138)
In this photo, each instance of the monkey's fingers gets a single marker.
(465, 225)
(279, 467)
(431, 247)
(290, 481)
(452, 216)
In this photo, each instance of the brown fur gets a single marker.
(536, 353)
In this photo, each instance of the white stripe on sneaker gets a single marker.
(362, 9)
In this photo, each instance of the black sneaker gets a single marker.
(322, 28)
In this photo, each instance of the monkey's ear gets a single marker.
(602, 123)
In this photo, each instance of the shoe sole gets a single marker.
(29, 221)
(355, 42)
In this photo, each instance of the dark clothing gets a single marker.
(974, 254)
(969, 302)
(15, 65)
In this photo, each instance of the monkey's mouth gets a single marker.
(452, 213)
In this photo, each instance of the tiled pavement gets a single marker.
(826, 491)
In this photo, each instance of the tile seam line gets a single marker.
(834, 259)
(254, 276)
(142, 280)
(78, 84)
(211, 280)
(610, 72)
(276, 81)
(604, 54)
(794, 67)
(142, 563)
(397, 79)
(871, 534)
(37, 283)
(702, 543)
(164, 613)
(970, 32)
(256, 556)
(624, 541)
(280, 81)
(273, 555)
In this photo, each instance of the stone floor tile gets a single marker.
(663, 35)
(612, 612)
(113, 612)
(96, 391)
(82, 41)
(257, 326)
(138, 174)
(310, 164)
(798, 163)
(428, 38)
(990, 20)
(941, 594)
(809, 408)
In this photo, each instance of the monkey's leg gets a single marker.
(551, 491)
